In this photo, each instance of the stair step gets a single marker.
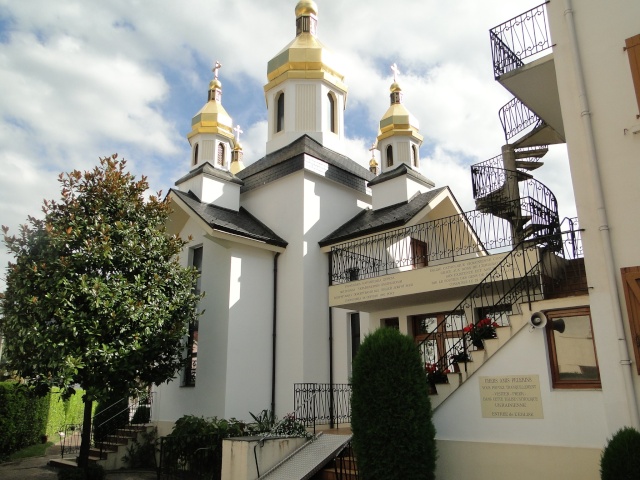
(528, 165)
(522, 176)
(531, 153)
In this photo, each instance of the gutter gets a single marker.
(603, 224)
(274, 332)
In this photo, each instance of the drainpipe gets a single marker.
(275, 323)
(603, 224)
(331, 406)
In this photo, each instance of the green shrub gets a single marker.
(63, 412)
(23, 417)
(142, 415)
(393, 436)
(195, 445)
(142, 454)
(621, 457)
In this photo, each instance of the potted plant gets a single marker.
(435, 375)
(457, 358)
(481, 330)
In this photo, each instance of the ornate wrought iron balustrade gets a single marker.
(528, 273)
(515, 117)
(453, 238)
(514, 40)
(497, 186)
(322, 403)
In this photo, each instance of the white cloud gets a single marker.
(85, 79)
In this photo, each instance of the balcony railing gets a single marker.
(457, 237)
(322, 404)
(516, 39)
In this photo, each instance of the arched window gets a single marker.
(416, 158)
(389, 156)
(195, 154)
(332, 112)
(280, 113)
(221, 154)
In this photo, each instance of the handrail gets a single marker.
(518, 38)
(508, 283)
(516, 117)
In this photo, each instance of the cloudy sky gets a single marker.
(83, 79)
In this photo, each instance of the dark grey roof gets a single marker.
(291, 158)
(239, 223)
(402, 169)
(210, 170)
(369, 221)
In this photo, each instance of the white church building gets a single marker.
(304, 252)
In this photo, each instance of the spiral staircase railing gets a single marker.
(515, 117)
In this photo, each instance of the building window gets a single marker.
(191, 360)
(416, 158)
(631, 285)
(280, 113)
(332, 112)
(354, 320)
(221, 154)
(632, 45)
(195, 154)
(389, 156)
(393, 322)
(442, 335)
(572, 352)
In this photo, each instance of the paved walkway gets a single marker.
(36, 468)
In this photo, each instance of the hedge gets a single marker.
(25, 417)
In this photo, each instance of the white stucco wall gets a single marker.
(601, 30)
(302, 208)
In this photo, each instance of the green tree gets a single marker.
(393, 436)
(96, 295)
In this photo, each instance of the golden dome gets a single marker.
(306, 7)
(395, 87)
(215, 83)
(373, 163)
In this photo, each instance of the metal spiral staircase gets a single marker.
(503, 186)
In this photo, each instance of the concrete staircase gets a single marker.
(517, 321)
(113, 449)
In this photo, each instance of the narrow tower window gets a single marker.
(221, 154)
(332, 112)
(195, 154)
(389, 156)
(416, 158)
(280, 113)
(191, 360)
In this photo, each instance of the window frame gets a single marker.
(389, 155)
(556, 381)
(632, 47)
(191, 347)
(279, 120)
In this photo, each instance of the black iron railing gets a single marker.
(119, 422)
(457, 237)
(496, 187)
(530, 272)
(514, 40)
(515, 117)
(345, 466)
(70, 439)
(187, 457)
(322, 404)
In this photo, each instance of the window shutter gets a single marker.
(631, 284)
(632, 46)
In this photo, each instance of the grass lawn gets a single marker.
(37, 450)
